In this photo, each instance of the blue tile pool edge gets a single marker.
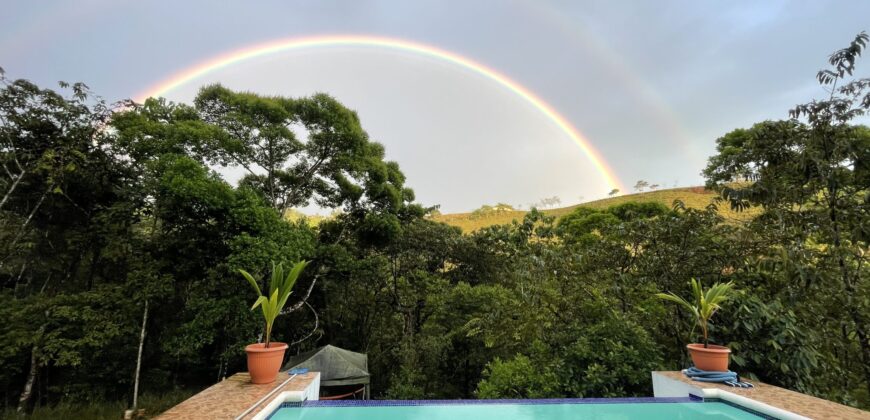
(404, 403)
(401, 403)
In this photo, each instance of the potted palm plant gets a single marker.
(705, 303)
(264, 359)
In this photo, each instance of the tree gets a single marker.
(103, 230)
(63, 206)
(640, 185)
(613, 192)
(333, 165)
(549, 202)
(810, 175)
(336, 164)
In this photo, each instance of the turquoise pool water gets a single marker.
(507, 411)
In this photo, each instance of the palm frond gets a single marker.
(251, 280)
(676, 299)
(705, 303)
(280, 288)
(260, 300)
(277, 277)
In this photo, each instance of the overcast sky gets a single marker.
(651, 84)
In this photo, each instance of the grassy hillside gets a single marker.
(694, 197)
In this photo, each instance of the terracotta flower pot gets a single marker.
(263, 362)
(712, 358)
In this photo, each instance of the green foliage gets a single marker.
(152, 403)
(704, 304)
(585, 224)
(280, 288)
(488, 211)
(518, 378)
(637, 210)
(612, 358)
(335, 165)
(788, 355)
(808, 176)
(100, 221)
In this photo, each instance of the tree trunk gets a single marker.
(139, 357)
(31, 379)
(22, 230)
(11, 189)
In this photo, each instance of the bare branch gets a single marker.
(299, 304)
(30, 217)
(313, 330)
(11, 188)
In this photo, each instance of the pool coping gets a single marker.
(767, 399)
(311, 392)
(230, 397)
(233, 395)
(308, 397)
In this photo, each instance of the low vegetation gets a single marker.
(150, 404)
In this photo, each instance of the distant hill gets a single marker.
(294, 215)
(694, 197)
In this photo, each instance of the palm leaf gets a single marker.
(280, 287)
(277, 274)
(251, 280)
(273, 303)
(676, 299)
(293, 275)
(289, 282)
(706, 303)
(260, 301)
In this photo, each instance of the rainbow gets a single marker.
(645, 92)
(224, 60)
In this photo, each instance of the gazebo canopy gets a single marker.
(336, 366)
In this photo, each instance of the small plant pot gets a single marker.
(265, 362)
(712, 358)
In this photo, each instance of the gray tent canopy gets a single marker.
(337, 366)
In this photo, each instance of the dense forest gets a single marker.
(116, 223)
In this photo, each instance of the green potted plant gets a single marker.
(264, 359)
(705, 303)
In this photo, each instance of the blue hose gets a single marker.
(727, 377)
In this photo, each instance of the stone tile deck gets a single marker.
(231, 397)
(805, 405)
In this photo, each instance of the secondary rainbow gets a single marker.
(224, 60)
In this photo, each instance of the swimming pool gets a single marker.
(561, 409)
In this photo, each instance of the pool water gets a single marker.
(514, 411)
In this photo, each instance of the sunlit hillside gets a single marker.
(694, 197)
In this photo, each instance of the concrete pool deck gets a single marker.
(232, 396)
(674, 383)
(236, 394)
